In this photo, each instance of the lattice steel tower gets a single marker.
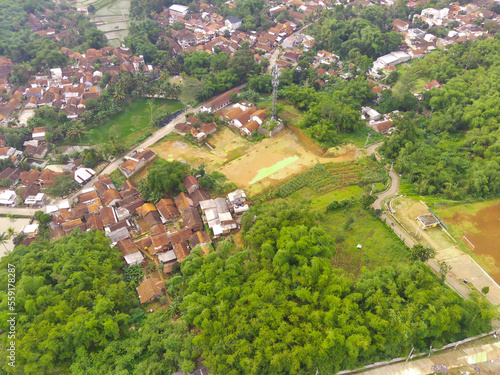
(276, 81)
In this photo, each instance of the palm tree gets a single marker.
(3, 239)
(11, 232)
(76, 130)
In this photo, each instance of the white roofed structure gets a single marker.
(83, 175)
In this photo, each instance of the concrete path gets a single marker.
(464, 267)
(443, 363)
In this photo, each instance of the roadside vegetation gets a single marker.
(455, 153)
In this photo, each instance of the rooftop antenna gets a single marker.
(275, 73)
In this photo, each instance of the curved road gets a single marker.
(392, 191)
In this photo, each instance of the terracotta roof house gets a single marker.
(233, 113)
(199, 238)
(134, 205)
(291, 56)
(150, 290)
(383, 126)
(432, 84)
(29, 178)
(87, 197)
(209, 128)
(129, 188)
(199, 195)
(182, 128)
(111, 197)
(133, 165)
(191, 219)
(249, 128)
(193, 120)
(94, 222)
(160, 242)
(400, 26)
(70, 226)
(183, 201)
(244, 118)
(167, 209)
(191, 184)
(181, 250)
(152, 218)
(220, 101)
(47, 176)
(108, 216)
(146, 208)
(181, 235)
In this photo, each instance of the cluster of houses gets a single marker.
(28, 185)
(468, 23)
(205, 30)
(243, 116)
(164, 232)
(139, 229)
(67, 89)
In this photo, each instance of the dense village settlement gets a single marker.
(249, 187)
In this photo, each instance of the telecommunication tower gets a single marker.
(275, 73)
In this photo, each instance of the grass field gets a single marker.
(129, 125)
(308, 196)
(190, 86)
(351, 227)
(358, 138)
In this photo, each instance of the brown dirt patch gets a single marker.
(483, 230)
(241, 160)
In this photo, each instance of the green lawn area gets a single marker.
(307, 195)
(129, 125)
(117, 178)
(190, 86)
(379, 245)
(358, 138)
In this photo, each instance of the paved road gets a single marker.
(487, 355)
(393, 189)
(17, 211)
(451, 279)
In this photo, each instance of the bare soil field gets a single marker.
(480, 224)
(252, 166)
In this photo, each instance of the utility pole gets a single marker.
(392, 164)
(367, 138)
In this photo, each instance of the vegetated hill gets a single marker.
(272, 305)
(453, 150)
(277, 306)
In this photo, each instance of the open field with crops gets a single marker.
(324, 178)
